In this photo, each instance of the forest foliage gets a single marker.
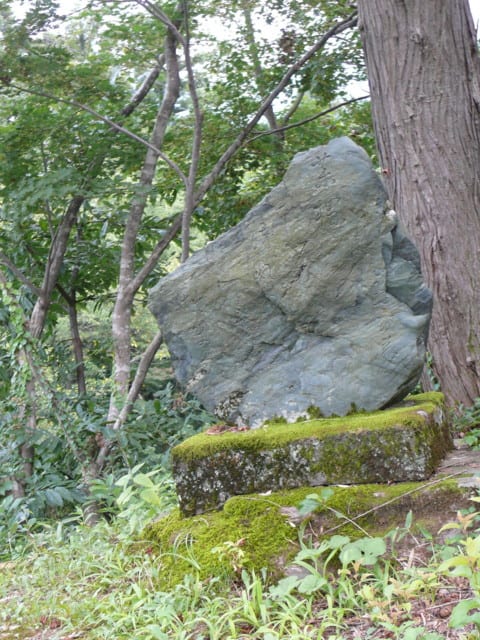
(131, 134)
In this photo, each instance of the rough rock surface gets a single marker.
(314, 299)
(395, 445)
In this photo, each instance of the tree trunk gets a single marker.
(122, 312)
(424, 75)
(258, 71)
(77, 346)
(53, 266)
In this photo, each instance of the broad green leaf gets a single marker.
(337, 542)
(284, 587)
(312, 583)
(461, 613)
(366, 551)
(143, 480)
(156, 632)
(53, 498)
(150, 496)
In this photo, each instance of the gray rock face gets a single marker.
(314, 299)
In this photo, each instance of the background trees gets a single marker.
(125, 125)
(133, 132)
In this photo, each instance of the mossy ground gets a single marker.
(252, 532)
(276, 434)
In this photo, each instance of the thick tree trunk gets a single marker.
(424, 76)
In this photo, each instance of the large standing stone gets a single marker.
(314, 299)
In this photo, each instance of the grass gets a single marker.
(71, 581)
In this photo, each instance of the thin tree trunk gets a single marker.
(133, 393)
(53, 266)
(36, 322)
(77, 346)
(424, 73)
(258, 71)
(189, 205)
(121, 317)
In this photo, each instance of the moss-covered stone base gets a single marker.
(261, 532)
(401, 444)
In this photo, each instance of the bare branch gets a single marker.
(306, 120)
(145, 87)
(293, 107)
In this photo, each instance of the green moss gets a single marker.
(187, 545)
(267, 539)
(273, 435)
(277, 420)
(433, 397)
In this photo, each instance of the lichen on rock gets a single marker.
(314, 299)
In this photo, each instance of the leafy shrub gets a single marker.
(154, 427)
(56, 485)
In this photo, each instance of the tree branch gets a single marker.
(155, 11)
(151, 262)
(293, 107)
(306, 120)
(133, 393)
(18, 274)
(53, 266)
(208, 181)
(127, 110)
(189, 205)
(144, 88)
(73, 103)
(148, 170)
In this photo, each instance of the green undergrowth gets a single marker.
(262, 529)
(279, 433)
(94, 584)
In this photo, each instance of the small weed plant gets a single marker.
(468, 423)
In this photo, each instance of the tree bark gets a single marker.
(122, 312)
(424, 75)
(77, 346)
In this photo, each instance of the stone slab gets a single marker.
(405, 443)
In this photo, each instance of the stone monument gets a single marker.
(314, 302)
